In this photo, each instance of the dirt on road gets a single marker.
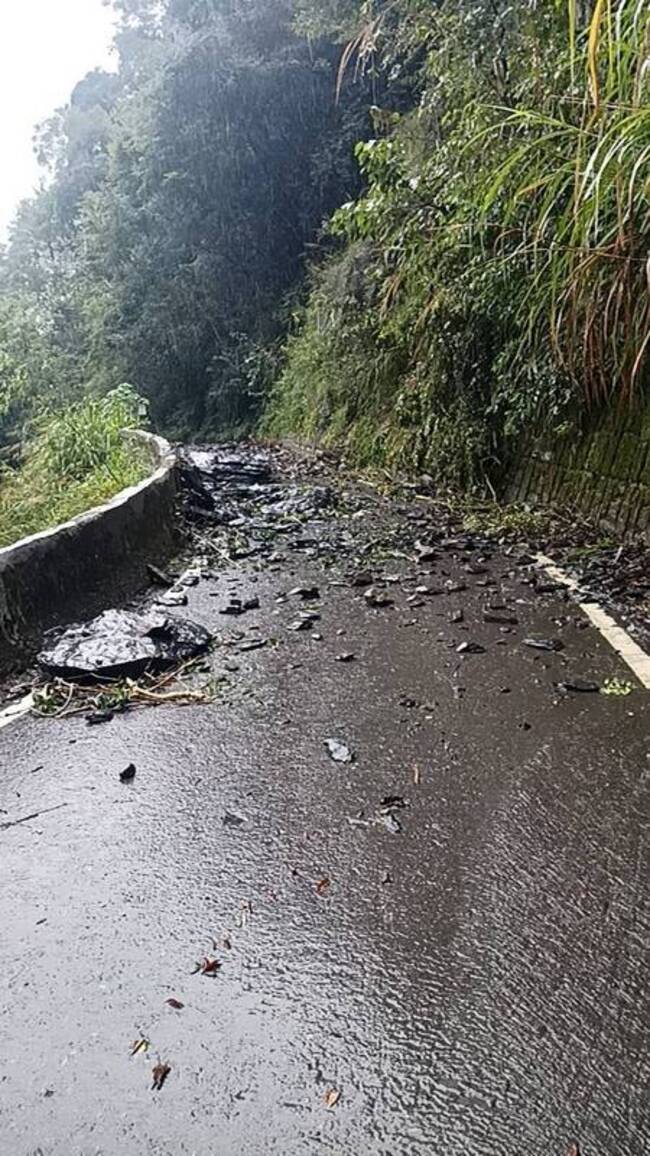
(385, 892)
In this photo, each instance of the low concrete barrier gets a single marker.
(72, 571)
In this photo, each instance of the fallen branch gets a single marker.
(28, 818)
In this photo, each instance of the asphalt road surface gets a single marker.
(442, 946)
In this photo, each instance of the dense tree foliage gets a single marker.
(180, 197)
(494, 274)
(482, 271)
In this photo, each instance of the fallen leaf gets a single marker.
(574, 1150)
(416, 775)
(616, 686)
(210, 966)
(332, 1097)
(159, 1075)
(176, 1004)
(322, 886)
(139, 1046)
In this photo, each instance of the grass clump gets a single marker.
(76, 459)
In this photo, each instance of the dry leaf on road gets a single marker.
(159, 1075)
(332, 1097)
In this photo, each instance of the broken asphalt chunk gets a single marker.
(128, 774)
(346, 656)
(122, 643)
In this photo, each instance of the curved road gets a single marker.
(474, 983)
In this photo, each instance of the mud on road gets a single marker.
(386, 894)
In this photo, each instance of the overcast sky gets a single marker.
(46, 46)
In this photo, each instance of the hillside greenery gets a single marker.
(76, 458)
(415, 229)
(493, 277)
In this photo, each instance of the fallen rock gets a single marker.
(339, 751)
(579, 685)
(122, 643)
(549, 644)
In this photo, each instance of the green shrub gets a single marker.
(76, 459)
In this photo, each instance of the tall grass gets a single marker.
(570, 196)
(76, 459)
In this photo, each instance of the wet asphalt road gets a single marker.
(473, 985)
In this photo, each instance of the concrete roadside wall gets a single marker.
(77, 569)
(603, 473)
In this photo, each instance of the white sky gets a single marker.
(46, 46)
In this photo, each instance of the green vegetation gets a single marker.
(493, 279)
(414, 229)
(77, 459)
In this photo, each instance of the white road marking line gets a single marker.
(619, 639)
(16, 710)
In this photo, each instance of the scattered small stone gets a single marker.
(232, 820)
(98, 717)
(362, 578)
(172, 597)
(305, 621)
(391, 823)
(549, 644)
(425, 552)
(307, 593)
(128, 774)
(580, 685)
(339, 751)
(376, 598)
(159, 577)
(470, 648)
(346, 656)
(548, 587)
